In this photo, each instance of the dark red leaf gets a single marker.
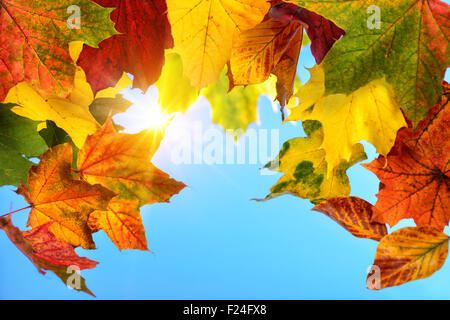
(323, 33)
(139, 50)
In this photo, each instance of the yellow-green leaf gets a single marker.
(175, 91)
(370, 113)
(236, 109)
(302, 160)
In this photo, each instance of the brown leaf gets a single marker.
(409, 254)
(353, 214)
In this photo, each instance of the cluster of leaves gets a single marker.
(60, 86)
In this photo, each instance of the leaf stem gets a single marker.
(10, 213)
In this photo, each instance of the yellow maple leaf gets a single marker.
(203, 32)
(70, 114)
(176, 94)
(369, 113)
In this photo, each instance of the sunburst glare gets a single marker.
(145, 113)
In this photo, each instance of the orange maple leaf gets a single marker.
(54, 195)
(122, 223)
(121, 163)
(415, 176)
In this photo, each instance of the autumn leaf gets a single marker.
(270, 47)
(19, 141)
(415, 175)
(256, 52)
(34, 39)
(139, 49)
(71, 114)
(323, 33)
(122, 223)
(176, 94)
(54, 195)
(370, 113)
(46, 252)
(353, 214)
(302, 160)
(203, 32)
(102, 108)
(68, 115)
(121, 163)
(410, 49)
(236, 109)
(53, 135)
(409, 254)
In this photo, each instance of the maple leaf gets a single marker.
(122, 223)
(409, 254)
(203, 33)
(176, 94)
(102, 108)
(53, 135)
(68, 115)
(270, 47)
(121, 163)
(235, 108)
(19, 141)
(139, 49)
(410, 48)
(54, 195)
(415, 175)
(370, 113)
(256, 52)
(302, 160)
(323, 33)
(34, 39)
(71, 114)
(353, 214)
(46, 252)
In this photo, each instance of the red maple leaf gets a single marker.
(46, 252)
(322, 32)
(139, 50)
(415, 176)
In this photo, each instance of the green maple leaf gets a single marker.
(19, 140)
(410, 49)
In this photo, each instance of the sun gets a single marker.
(145, 113)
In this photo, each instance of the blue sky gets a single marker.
(213, 242)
